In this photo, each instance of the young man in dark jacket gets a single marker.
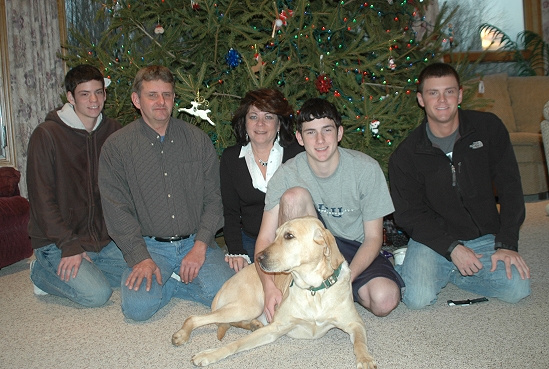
(442, 179)
(75, 258)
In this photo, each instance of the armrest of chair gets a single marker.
(545, 131)
(545, 135)
(15, 207)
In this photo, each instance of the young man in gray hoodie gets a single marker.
(75, 258)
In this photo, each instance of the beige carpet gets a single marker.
(50, 332)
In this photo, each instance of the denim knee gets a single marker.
(98, 298)
(418, 298)
(516, 290)
(138, 314)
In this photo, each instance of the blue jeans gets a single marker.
(142, 304)
(248, 243)
(92, 286)
(425, 273)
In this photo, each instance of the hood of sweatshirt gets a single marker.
(69, 117)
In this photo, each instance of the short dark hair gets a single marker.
(317, 108)
(269, 100)
(152, 73)
(82, 74)
(436, 70)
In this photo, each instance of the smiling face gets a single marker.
(261, 126)
(88, 100)
(440, 99)
(156, 101)
(320, 137)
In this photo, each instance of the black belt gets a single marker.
(171, 239)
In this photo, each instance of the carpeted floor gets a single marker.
(50, 332)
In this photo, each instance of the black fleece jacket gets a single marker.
(440, 202)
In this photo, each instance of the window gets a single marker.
(531, 14)
(507, 15)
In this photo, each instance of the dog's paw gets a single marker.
(255, 324)
(204, 358)
(367, 364)
(180, 337)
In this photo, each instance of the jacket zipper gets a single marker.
(91, 169)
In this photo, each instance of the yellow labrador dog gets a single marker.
(315, 281)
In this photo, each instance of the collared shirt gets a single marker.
(159, 188)
(274, 161)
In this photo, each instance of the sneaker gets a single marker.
(176, 277)
(37, 291)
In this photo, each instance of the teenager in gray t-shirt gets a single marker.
(354, 193)
(348, 191)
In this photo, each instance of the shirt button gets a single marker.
(165, 174)
(169, 195)
(173, 216)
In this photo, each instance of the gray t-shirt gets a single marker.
(354, 193)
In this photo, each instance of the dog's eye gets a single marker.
(288, 236)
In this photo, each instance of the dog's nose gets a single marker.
(260, 256)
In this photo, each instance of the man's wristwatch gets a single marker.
(450, 249)
(501, 245)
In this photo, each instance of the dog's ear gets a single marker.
(320, 236)
(331, 251)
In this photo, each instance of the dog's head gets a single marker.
(304, 247)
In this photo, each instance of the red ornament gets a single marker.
(195, 5)
(323, 84)
(284, 15)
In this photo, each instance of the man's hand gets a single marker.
(192, 262)
(510, 257)
(68, 266)
(466, 260)
(236, 262)
(143, 270)
(273, 298)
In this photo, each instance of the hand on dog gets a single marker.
(236, 262)
(273, 298)
(192, 262)
(466, 260)
(143, 270)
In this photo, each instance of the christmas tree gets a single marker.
(362, 56)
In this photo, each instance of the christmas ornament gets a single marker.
(107, 82)
(256, 68)
(158, 29)
(195, 5)
(281, 19)
(233, 58)
(450, 34)
(374, 126)
(202, 114)
(392, 64)
(323, 83)
(284, 15)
